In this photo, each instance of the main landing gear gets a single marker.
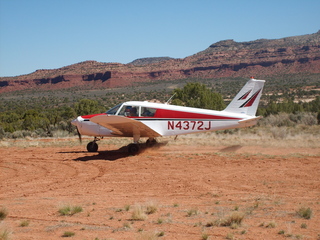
(133, 148)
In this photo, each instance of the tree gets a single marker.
(199, 96)
(33, 120)
(87, 106)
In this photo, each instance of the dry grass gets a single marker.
(5, 233)
(264, 135)
(233, 221)
(151, 207)
(286, 137)
(138, 214)
(3, 213)
(24, 223)
(305, 213)
(68, 234)
(68, 210)
(192, 212)
(148, 236)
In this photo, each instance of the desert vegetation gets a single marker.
(69, 210)
(3, 213)
(48, 113)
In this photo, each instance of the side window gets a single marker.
(129, 111)
(147, 112)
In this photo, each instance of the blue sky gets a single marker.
(48, 34)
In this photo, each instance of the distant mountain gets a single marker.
(259, 58)
(150, 60)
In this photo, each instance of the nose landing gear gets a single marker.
(93, 146)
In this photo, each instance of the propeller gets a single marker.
(79, 135)
(75, 122)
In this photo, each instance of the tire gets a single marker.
(151, 143)
(133, 149)
(92, 147)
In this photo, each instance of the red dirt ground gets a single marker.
(190, 186)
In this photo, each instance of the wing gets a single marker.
(124, 126)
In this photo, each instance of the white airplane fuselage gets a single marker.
(170, 120)
(138, 119)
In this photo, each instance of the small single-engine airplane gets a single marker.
(138, 119)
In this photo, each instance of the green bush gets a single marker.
(305, 213)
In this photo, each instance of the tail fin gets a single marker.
(247, 100)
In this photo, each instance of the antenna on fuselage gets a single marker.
(167, 102)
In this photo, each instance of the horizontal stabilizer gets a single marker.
(250, 120)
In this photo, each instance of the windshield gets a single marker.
(114, 110)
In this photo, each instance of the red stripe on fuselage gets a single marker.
(164, 113)
(92, 115)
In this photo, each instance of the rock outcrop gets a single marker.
(260, 58)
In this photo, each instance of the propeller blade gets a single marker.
(79, 135)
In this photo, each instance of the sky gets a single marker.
(49, 34)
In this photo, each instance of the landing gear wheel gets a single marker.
(92, 146)
(151, 143)
(133, 148)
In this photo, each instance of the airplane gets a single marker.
(142, 119)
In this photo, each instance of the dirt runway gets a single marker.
(190, 189)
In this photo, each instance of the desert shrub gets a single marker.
(279, 132)
(160, 221)
(277, 120)
(304, 118)
(17, 134)
(88, 106)
(305, 213)
(271, 224)
(230, 236)
(199, 96)
(3, 213)
(138, 214)
(233, 220)
(289, 119)
(2, 133)
(69, 210)
(60, 134)
(205, 236)
(4, 234)
(127, 208)
(127, 225)
(24, 223)
(151, 208)
(192, 212)
(65, 210)
(303, 225)
(68, 234)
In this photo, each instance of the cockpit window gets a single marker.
(114, 110)
(132, 111)
(129, 111)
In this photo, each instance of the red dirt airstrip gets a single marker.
(188, 186)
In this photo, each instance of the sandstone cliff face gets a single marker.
(227, 58)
